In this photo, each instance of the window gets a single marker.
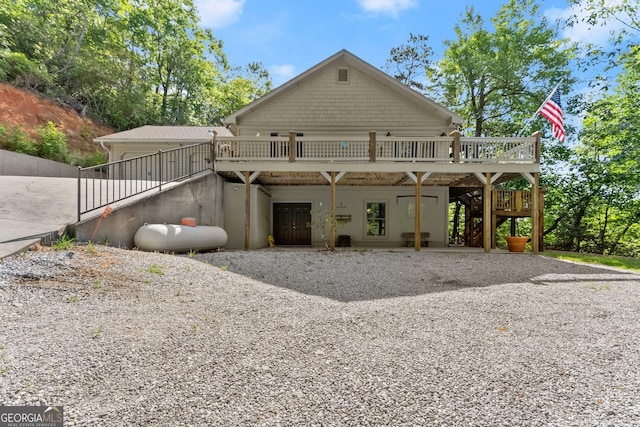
(343, 75)
(376, 219)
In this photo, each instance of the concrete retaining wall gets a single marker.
(17, 164)
(197, 199)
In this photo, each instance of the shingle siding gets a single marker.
(323, 103)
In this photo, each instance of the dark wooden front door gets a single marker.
(291, 223)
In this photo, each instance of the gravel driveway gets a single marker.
(281, 337)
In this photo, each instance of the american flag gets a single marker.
(552, 111)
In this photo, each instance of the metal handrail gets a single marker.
(101, 185)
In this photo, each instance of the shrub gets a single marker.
(18, 141)
(86, 160)
(53, 143)
(16, 68)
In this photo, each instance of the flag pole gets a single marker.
(538, 110)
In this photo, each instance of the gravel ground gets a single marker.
(306, 337)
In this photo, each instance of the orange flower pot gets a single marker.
(517, 243)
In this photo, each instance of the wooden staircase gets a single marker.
(506, 204)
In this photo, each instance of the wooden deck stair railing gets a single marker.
(512, 202)
(507, 205)
(473, 232)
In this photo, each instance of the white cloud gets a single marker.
(219, 13)
(281, 73)
(387, 7)
(582, 31)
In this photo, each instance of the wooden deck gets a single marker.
(375, 160)
(371, 160)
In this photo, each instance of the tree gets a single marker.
(598, 12)
(496, 80)
(409, 62)
(241, 87)
(611, 138)
(622, 18)
(129, 62)
(595, 205)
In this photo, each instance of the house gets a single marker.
(346, 146)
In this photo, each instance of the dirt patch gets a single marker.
(29, 110)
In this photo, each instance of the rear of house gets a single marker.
(345, 145)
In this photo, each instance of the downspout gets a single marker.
(106, 150)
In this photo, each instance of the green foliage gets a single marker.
(64, 243)
(17, 140)
(91, 248)
(595, 207)
(86, 160)
(53, 143)
(604, 13)
(53, 146)
(496, 78)
(16, 68)
(610, 260)
(155, 269)
(129, 63)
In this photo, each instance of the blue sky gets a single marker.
(290, 36)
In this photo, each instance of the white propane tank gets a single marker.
(179, 238)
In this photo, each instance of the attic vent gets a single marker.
(343, 75)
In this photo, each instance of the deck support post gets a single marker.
(418, 207)
(535, 214)
(541, 221)
(494, 219)
(247, 209)
(332, 231)
(486, 214)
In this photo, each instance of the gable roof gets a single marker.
(347, 57)
(154, 134)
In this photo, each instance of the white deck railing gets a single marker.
(434, 149)
(497, 149)
(386, 149)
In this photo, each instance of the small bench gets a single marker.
(410, 239)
